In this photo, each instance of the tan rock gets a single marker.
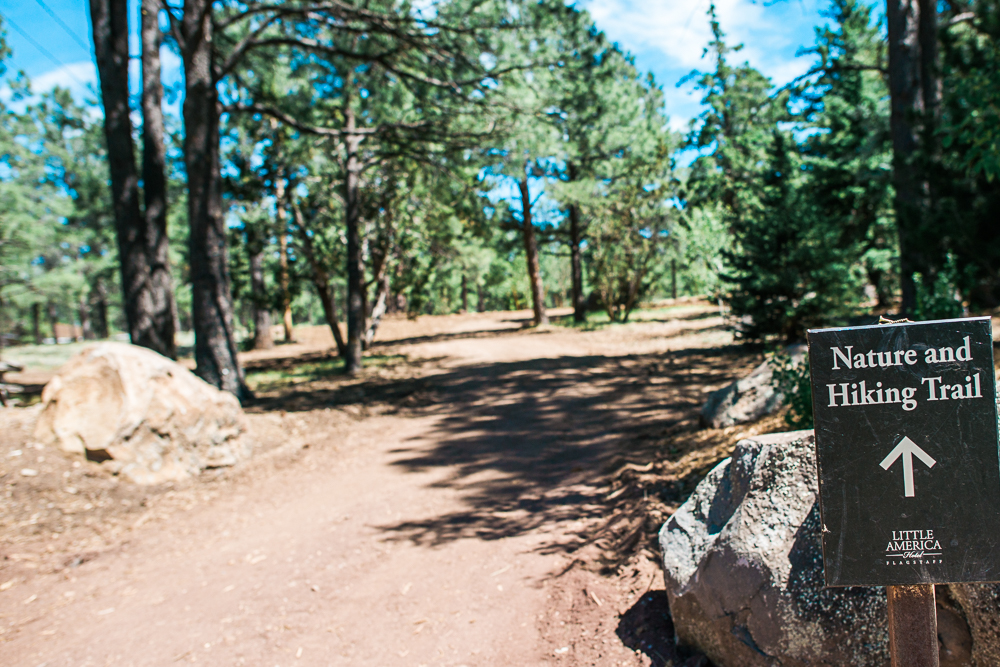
(150, 418)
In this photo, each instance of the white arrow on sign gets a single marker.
(907, 449)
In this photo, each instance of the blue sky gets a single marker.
(667, 37)
(76, 66)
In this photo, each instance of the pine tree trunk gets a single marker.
(53, 314)
(465, 293)
(262, 338)
(283, 281)
(903, 19)
(480, 299)
(36, 316)
(380, 271)
(355, 265)
(154, 184)
(321, 281)
(930, 77)
(378, 308)
(930, 89)
(109, 19)
(99, 309)
(83, 312)
(531, 253)
(576, 265)
(212, 310)
(673, 279)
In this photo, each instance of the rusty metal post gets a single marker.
(913, 640)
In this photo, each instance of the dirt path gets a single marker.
(429, 513)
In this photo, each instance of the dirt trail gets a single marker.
(428, 513)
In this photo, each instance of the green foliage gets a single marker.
(736, 131)
(848, 152)
(787, 212)
(961, 218)
(57, 252)
(807, 213)
(794, 382)
(628, 243)
(939, 297)
(789, 269)
(972, 62)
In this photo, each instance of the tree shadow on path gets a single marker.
(532, 444)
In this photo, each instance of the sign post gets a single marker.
(909, 465)
(913, 640)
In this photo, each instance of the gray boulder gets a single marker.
(744, 570)
(748, 398)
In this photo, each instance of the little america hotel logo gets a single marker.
(913, 547)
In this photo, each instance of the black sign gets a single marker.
(907, 447)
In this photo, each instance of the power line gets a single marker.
(42, 49)
(65, 27)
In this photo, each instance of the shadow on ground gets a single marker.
(532, 444)
(648, 629)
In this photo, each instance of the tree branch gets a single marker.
(242, 47)
(964, 17)
(291, 122)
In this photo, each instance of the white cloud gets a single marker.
(679, 124)
(680, 30)
(78, 77)
(670, 36)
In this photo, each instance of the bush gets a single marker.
(940, 298)
(794, 381)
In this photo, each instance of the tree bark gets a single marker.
(212, 310)
(380, 271)
(286, 297)
(36, 316)
(465, 293)
(321, 281)
(930, 79)
(109, 19)
(575, 260)
(53, 314)
(378, 308)
(262, 338)
(903, 20)
(154, 185)
(531, 253)
(930, 97)
(576, 265)
(99, 309)
(355, 264)
(83, 312)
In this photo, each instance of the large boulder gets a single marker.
(145, 416)
(743, 567)
(744, 574)
(748, 398)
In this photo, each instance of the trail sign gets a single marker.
(907, 452)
